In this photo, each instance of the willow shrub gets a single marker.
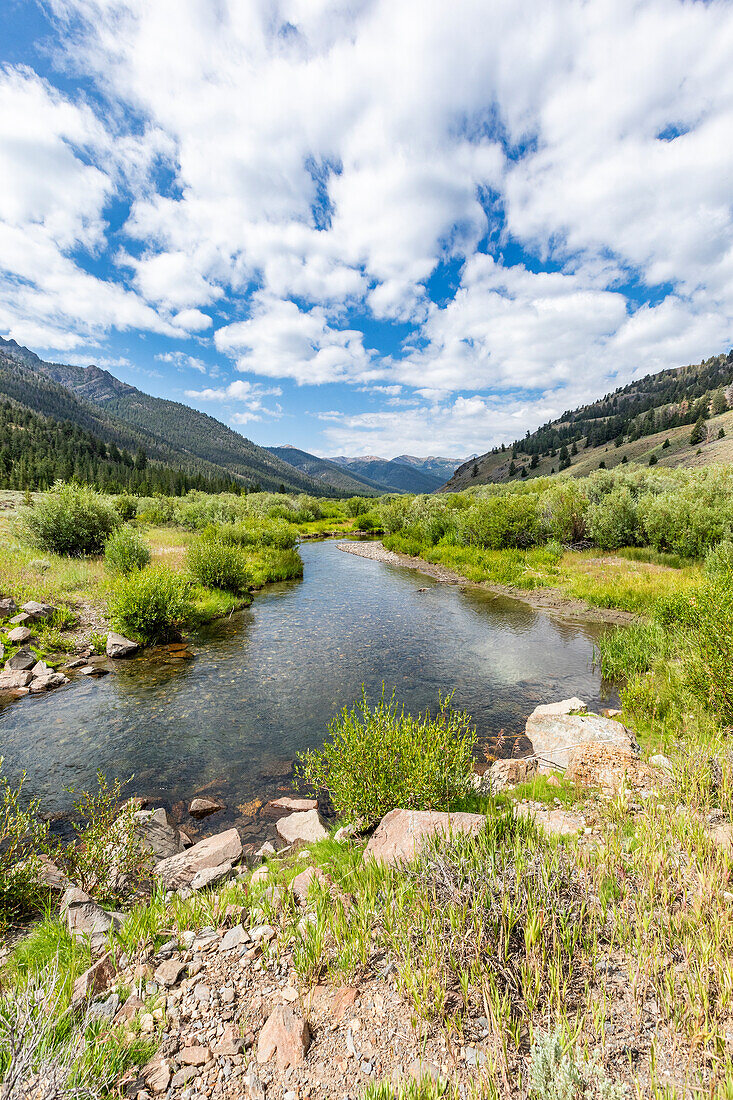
(378, 758)
(216, 564)
(71, 520)
(151, 604)
(125, 550)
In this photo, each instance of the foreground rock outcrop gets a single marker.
(555, 732)
(401, 833)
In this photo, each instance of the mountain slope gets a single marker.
(390, 476)
(168, 430)
(433, 464)
(339, 477)
(631, 424)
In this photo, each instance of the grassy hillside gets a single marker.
(169, 431)
(633, 424)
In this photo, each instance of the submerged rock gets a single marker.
(401, 833)
(202, 807)
(295, 805)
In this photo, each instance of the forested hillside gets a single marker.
(674, 417)
(169, 432)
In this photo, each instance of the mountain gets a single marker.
(391, 476)
(433, 464)
(330, 472)
(648, 421)
(169, 432)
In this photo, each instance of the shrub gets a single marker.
(126, 506)
(612, 520)
(706, 622)
(125, 550)
(23, 838)
(150, 604)
(216, 564)
(498, 522)
(555, 1075)
(255, 531)
(72, 520)
(719, 559)
(379, 757)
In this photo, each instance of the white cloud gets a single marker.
(250, 394)
(182, 360)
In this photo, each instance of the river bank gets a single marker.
(545, 599)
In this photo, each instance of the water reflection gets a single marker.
(266, 682)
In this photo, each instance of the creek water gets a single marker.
(266, 683)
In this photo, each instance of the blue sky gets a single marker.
(374, 226)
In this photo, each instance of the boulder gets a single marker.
(564, 706)
(19, 635)
(554, 736)
(38, 610)
(209, 876)
(118, 646)
(156, 835)
(230, 1044)
(10, 680)
(93, 670)
(85, 918)
(8, 607)
(286, 1037)
(301, 827)
(504, 774)
(179, 870)
(2, 651)
(553, 822)
(401, 833)
(294, 805)
(21, 620)
(202, 807)
(22, 661)
(609, 767)
(48, 681)
(94, 980)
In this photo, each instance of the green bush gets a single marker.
(72, 520)
(719, 559)
(150, 604)
(612, 520)
(23, 839)
(500, 522)
(126, 506)
(216, 564)
(125, 550)
(706, 624)
(378, 758)
(255, 531)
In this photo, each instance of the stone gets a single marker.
(194, 1056)
(157, 1074)
(295, 805)
(232, 938)
(401, 833)
(11, 680)
(93, 670)
(118, 646)
(94, 980)
(169, 972)
(565, 706)
(184, 1075)
(504, 774)
(663, 762)
(105, 1009)
(230, 1044)
(553, 822)
(39, 610)
(8, 607)
(47, 682)
(179, 870)
(2, 651)
(209, 876)
(85, 918)
(286, 1037)
(301, 883)
(50, 875)
(130, 1008)
(421, 1070)
(22, 661)
(304, 827)
(608, 768)
(253, 1087)
(40, 668)
(202, 807)
(554, 736)
(156, 835)
(21, 620)
(78, 662)
(722, 837)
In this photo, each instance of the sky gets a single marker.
(369, 227)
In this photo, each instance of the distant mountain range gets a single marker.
(404, 474)
(170, 432)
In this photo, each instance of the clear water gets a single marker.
(266, 683)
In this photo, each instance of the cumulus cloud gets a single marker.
(250, 394)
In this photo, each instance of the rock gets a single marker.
(553, 822)
(179, 870)
(253, 1087)
(504, 774)
(157, 1074)
(401, 833)
(130, 1008)
(295, 805)
(105, 1009)
(301, 883)
(78, 662)
(553, 736)
(608, 768)
(2, 651)
(50, 875)
(8, 607)
(184, 1076)
(202, 807)
(40, 668)
(565, 706)
(22, 661)
(21, 620)
(234, 937)
(47, 682)
(169, 972)
(304, 827)
(13, 680)
(208, 876)
(230, 1044)
(156, 835)
(663, 762)
(421, 1070)
(39, 610)
(94, 980)
(85, 918)
(118, 646)
(286, 1037)
(194, 1056)
(266, 851)
(93, 670)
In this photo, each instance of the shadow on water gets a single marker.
(267, 681)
